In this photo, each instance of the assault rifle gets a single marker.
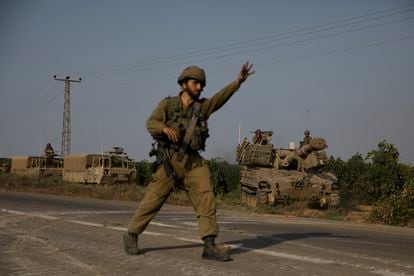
(163, 158)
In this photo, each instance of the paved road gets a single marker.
(54, 235)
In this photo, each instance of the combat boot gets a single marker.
(131, 243)
(212, 252)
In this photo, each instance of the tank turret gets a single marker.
(300, 154)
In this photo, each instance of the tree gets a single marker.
(350, 174)
(144, 172)
(385, 174)
(377, 176)
(225, 176)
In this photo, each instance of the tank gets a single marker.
(270, 176)
(111, 167)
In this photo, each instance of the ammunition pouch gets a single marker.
(199, 137)
(180, 121)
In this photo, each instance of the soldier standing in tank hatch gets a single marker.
(49, 151)
(306, 139)
(179, 126)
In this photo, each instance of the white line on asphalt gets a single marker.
(85, 223)
(239, 247)
(28, 214)
(85, 212)
(164, 225)
(355, 255)
(284, 255)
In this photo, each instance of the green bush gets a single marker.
(144, 172)
(378, 179)
(225, 176)
(371, 179)
(397, 209)
(384, 176)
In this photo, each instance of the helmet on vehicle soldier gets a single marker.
(192, 72)
(307, 132)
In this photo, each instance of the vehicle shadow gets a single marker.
(260, 242)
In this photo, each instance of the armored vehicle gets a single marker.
(49, 164)
(270, 176)
(108, 168)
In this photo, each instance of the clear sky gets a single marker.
(343, 69)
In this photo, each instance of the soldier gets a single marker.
(267, 137)
(179, 126)
(49, 151)
(257, 138)
(306, 139)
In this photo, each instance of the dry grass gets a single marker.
(132, 192)
(56, 186)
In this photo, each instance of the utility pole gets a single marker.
(66, 132)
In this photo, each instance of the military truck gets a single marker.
(49, 164)
(36, 166)
(108, 168)
(271, 176)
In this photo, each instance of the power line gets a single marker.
(320, 37)
(282, 60)
(29, 99)
(229, 47)
(256, 49)
(43, 97)
(48, 102)
(332, 52)
(339, 50)
(247, 43)
(20, 117)
(25, 107)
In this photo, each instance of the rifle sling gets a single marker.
(164, 159)
(189, 132)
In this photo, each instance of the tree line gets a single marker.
(377, 179)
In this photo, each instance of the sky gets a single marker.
(342, 69)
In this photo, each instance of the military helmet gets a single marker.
(192, 72)
(307, 132)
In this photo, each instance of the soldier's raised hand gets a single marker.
(245, 72)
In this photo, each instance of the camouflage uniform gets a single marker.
(170, 112)
(306, 139)
(49, 151)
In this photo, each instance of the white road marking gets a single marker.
(190, 223)
(29, 214)
(295, 257)
(164, 225)
(285, 255)
(84, 212)
(357, 256)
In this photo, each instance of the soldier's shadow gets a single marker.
(260, 242)
(173, 247)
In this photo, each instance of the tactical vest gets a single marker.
(179, 120)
